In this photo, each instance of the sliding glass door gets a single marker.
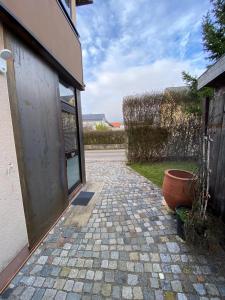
(70, 132)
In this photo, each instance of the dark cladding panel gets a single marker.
(42, 147)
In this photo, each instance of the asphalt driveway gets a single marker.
(105, 155)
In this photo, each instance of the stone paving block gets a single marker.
(49, 282)
(105, 264)
(73, 273)
(97, 287)
(36, 269)
(68, 285)
(39, 282)
(165, 258)
(139, 267)
(112, 265)
(132, 279)
(27, 280)
(154, 257)
(15, 292)
(137, 292)
(38, 294)
(116, 292)
(154, 283)
(130, 266)
(61, 295)
(161, 276)
(134, 256)
(200, 289)
(175, 269)
(173, 247)
(212, 289)
(98, 275)
(88, 263)
(28, 293)
(42, 260)
(78, 287)
(181, 296)
(120, 278)
(109, 276)
(59, 283)
(73, 296)
(90, 275)
(54, 271)
(144, 256)
(49, 294)
(156, 268)
(106, 289)
(127, 292)
(81, 274)
(169, 296)
(87, 287)
(176, 286)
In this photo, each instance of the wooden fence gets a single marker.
(215, 121)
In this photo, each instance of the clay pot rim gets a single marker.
(180, 178)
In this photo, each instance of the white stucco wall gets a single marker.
(13, 233)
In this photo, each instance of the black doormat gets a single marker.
(83, 198)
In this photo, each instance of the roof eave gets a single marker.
(212, 74)
(83, 2)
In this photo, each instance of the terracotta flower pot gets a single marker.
(178, 188)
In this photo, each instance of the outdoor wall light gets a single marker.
(5, 55)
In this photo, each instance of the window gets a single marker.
(66, 95)
(67, 7)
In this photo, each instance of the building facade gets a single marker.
(42, 157)
(90, 121)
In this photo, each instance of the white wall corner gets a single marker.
(13, 231)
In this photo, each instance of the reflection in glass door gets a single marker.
(70, 132)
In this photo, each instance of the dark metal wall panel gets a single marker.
(41, 140)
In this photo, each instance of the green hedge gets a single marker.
(104, 137)
(146, 142)
(161, 126)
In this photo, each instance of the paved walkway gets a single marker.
(128, 249)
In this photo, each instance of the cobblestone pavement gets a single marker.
(127, 250)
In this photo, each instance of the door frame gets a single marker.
(74, 110)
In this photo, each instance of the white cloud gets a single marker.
(105, 94)
(93, 50)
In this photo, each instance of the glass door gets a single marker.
(70, 132)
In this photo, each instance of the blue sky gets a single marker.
(136, 46)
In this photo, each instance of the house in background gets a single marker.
(117, 126)
(91, 120)
(42, 159)
(176, 89)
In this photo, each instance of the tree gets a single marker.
(213, 30)
(101, 127)
(213, 36)
(192, 83)
(196, 96)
